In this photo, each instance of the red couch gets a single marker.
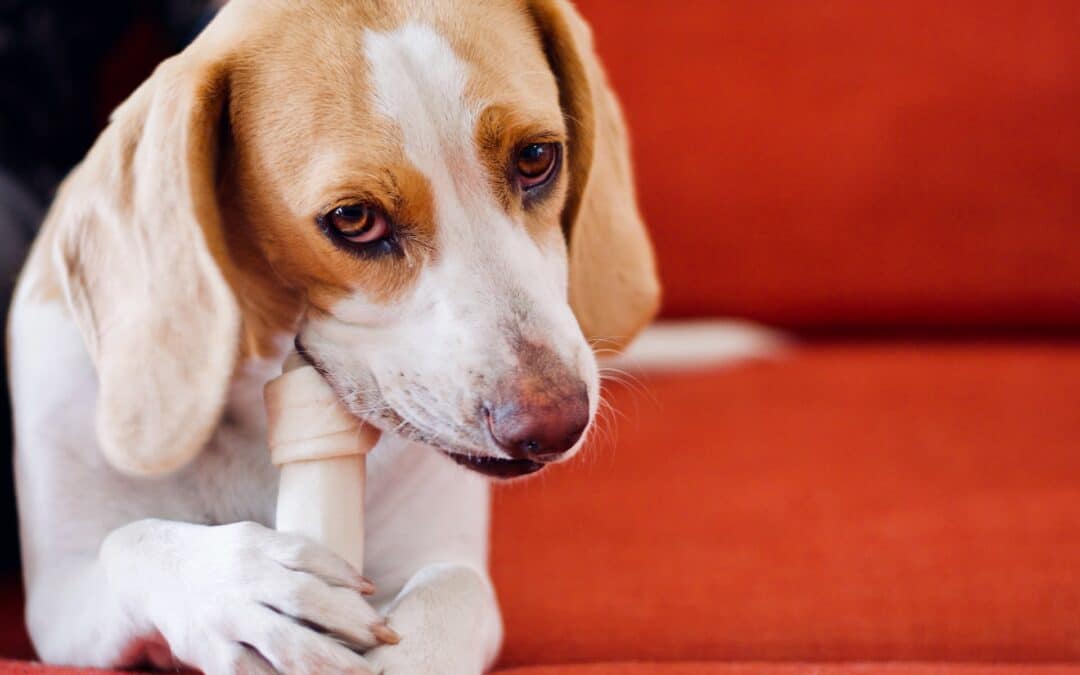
(899, 185)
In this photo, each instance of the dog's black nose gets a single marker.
(540, 411)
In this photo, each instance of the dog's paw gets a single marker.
(449, 625)
(243, 598)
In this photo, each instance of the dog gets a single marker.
(433, 203)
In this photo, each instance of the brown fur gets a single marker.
(614, 290)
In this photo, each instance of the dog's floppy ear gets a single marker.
(142, 254)
(613, 285)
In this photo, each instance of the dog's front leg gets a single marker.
(449, 621)
(237, 598)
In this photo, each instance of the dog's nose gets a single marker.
(540, 409)
(537, 426)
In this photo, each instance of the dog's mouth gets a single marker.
(495, 467)
(492, 467)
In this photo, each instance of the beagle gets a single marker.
(433, 202)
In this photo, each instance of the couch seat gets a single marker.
(876, 501)
(849, 503)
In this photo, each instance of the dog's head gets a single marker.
(436, 199)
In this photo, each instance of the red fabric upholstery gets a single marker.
(847, 503)
(853, 163)
(14, 642)
(791, 669)
(23, 668)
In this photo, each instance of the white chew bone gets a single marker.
(320, 448)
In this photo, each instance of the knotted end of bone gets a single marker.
(307, 421)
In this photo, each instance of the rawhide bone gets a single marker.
(320, 447)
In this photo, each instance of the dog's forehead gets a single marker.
(323, 55)
(355, 72)
(418, 82)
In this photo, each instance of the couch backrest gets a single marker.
(846, 163)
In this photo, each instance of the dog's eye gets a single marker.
(535, 164)
(359, 223)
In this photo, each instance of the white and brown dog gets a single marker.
(434, 201)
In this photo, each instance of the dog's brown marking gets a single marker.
(502, 131)
(296, 157)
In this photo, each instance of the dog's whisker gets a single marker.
(628, 380)
(612, 340)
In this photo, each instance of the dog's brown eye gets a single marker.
(535, 164)
(359, 223)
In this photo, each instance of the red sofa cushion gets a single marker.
(24, 668)
(792, 669)
(848, 502)
(853, 163)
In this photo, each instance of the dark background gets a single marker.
(63, 67)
